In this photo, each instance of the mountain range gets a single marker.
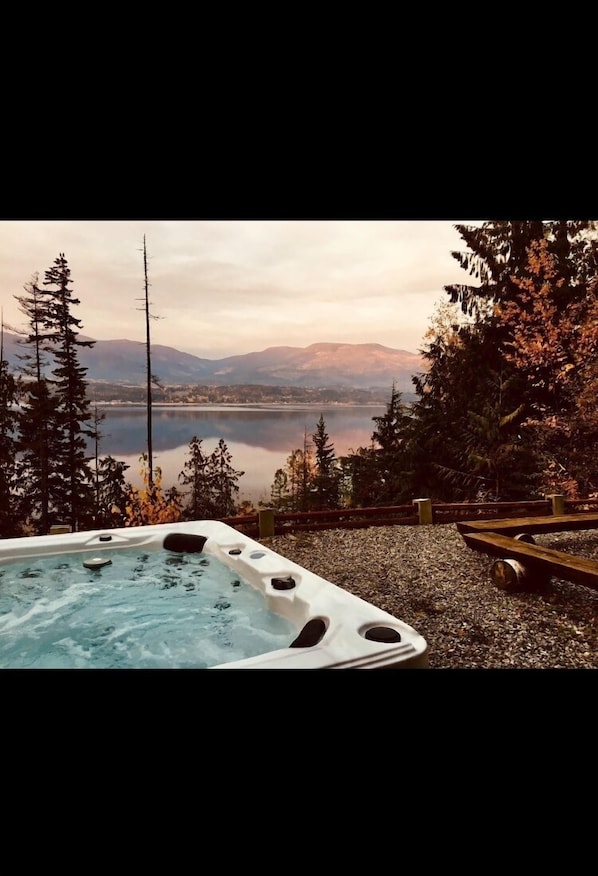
(361, 366)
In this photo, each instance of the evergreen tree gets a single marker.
(33, 342)
(70, 392)
(38, 433)
(195, 475)
(39, 449)
(360, 474)
(213, 482)
(390, 459)
(496, 252)
(224, 482)
(451, 393)
(495, 452)
(432, 445)
(111, 494)
(466, 438)
(110, 490)
(326, 482)
(9, 518)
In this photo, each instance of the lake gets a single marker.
(260, 438)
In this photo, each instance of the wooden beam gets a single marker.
(560, 523)
(578, 570)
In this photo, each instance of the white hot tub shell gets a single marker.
(335, 629)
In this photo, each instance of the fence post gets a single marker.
(424, 510)
(265, 522)
(558, 503)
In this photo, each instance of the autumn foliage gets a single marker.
(554, 332)
(554, 344)
(150, 504)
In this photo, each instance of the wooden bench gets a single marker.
(537, 563)
(523, 563)
(558, 523)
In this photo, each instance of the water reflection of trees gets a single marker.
(275, 430)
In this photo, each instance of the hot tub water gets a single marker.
(144, 609)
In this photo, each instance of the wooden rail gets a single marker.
(546, 511)
(451, 513)
(522, 562)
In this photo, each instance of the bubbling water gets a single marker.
(144, 610)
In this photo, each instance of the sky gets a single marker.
(227, 287)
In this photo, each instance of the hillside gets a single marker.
(358, 366)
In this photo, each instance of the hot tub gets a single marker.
(328, 628)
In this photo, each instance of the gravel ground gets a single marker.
(427, 577)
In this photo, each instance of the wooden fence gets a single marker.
(419, 512)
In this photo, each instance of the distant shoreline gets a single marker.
(255, 405)
(242, 395)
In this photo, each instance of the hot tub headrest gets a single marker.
(184, 543)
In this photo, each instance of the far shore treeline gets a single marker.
(239, 394)
(505, 408)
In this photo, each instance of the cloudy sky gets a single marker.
(221, 288)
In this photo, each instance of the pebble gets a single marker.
(427, 577)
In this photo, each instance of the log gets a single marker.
(525, 537)
(511, 575)
(508, 575)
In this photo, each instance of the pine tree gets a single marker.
(326, 482)
(360, 474)
(111, 493)
(390, 434)
(223, 479)
(33, 341)
(496, 252)
(38, 431)
(467, 420)
(9, 519)
(458, 358)
(38, 444)
(72, 404)
(109, 486)
(213, 482)
(195, 475)
(432, 444)
(495, 453)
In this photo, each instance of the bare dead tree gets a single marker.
(151, 378)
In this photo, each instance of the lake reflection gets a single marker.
(260, 438)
